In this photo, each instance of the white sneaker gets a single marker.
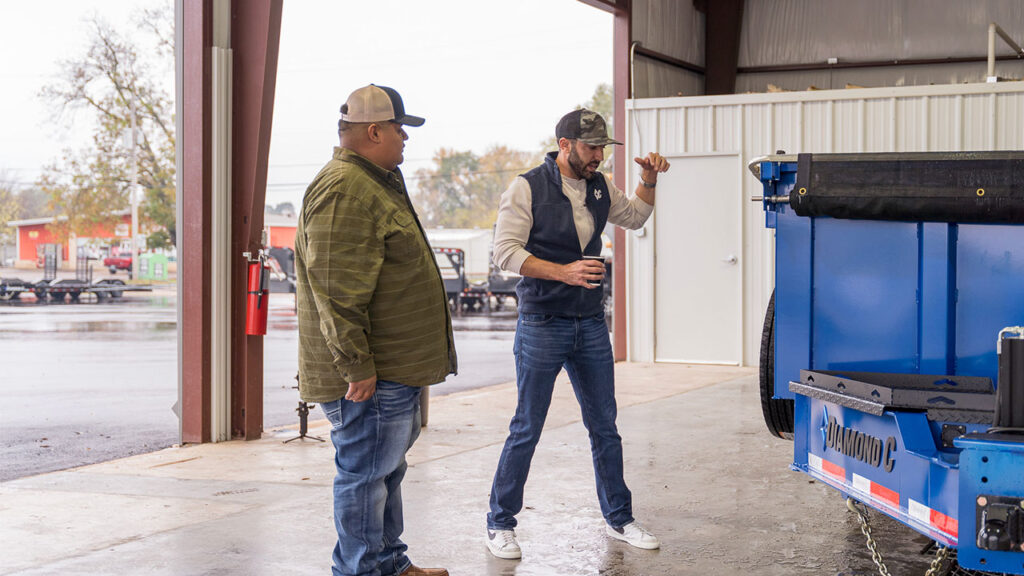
(635, 535)
(503, 544)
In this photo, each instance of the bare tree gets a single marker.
(116, 76)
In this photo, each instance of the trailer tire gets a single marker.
(116, 293)
(778, 414)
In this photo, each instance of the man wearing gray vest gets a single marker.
(549, 222)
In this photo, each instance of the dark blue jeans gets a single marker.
(370, 440)
(543, 345)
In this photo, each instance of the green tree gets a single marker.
(116, 76)
(497, 167)
(444, 190)
(603, 103)
(18, 204)
(282, 208)
(9, 209)
(463, 190)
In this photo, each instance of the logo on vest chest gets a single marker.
(597, 193)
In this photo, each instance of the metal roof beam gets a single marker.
(723, 24)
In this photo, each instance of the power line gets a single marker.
(415, 177)
(320, 164)
(22, 184)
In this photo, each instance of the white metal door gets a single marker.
(698, 278)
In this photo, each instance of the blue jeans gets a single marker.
(543, 345)
(370, 440)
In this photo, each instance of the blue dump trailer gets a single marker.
(893, 347)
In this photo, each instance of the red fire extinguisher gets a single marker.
(258, 297)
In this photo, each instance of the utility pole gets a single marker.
(133, 193)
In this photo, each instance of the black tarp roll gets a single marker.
(962, 187)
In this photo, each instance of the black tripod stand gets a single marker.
(303, 411)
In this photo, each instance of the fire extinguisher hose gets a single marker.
(263, 284)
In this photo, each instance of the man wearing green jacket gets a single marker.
(374, 326)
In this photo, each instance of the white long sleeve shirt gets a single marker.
(515, 217)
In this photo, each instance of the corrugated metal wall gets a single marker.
(788, 32)
(674, 28)
(905, 119)
(797, 31)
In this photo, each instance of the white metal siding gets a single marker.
(904, 119)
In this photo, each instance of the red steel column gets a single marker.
(255, 37)
(194, 231)
(622, 37)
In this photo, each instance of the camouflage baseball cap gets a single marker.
(586, 126)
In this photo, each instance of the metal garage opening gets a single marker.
(267, 77)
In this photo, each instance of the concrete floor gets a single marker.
(706, 477)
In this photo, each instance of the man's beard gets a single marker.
(578, 167)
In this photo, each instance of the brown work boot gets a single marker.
(417, 571)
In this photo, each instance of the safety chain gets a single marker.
(941, 553)
(865, 528)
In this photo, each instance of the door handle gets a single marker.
(732, 259)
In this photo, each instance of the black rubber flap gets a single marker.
(964, 187)
(1010, 394)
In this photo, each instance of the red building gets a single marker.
(33, 235)
(280, 230)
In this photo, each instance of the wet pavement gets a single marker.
(705, 475)
(85, 382)
(91, 381)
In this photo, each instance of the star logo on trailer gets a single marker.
(824, 425)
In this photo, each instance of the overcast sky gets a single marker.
(482, 72)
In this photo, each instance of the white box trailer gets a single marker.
(475, 242)
(701, 271)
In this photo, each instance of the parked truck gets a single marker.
(115, 263)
